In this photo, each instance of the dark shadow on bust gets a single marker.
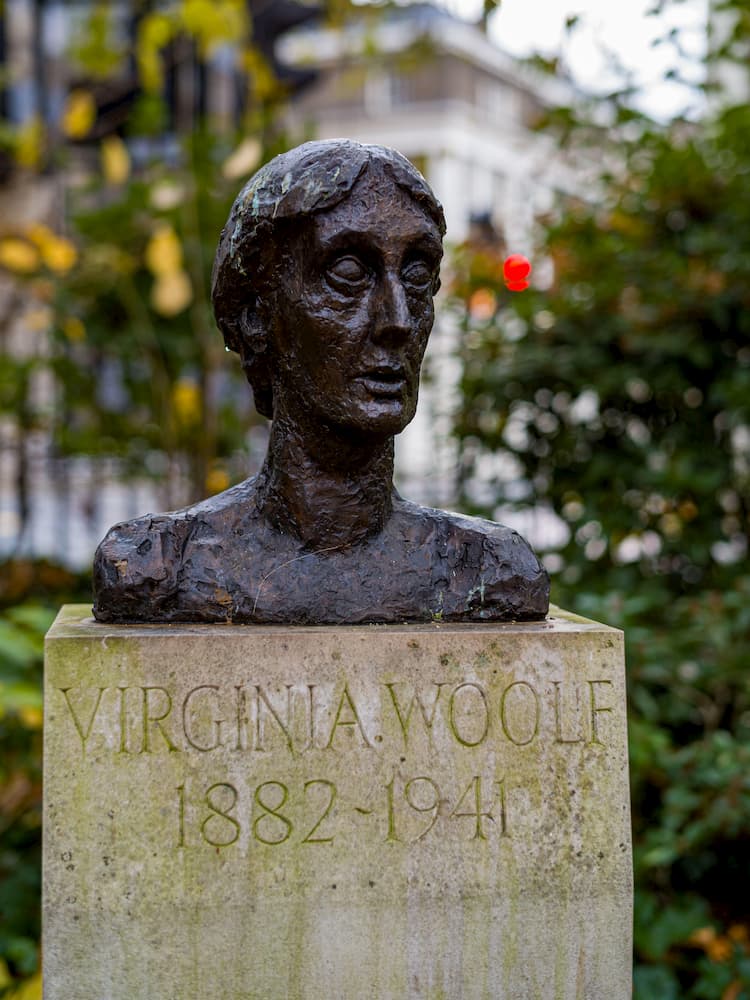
(323, 284)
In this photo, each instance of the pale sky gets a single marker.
(621, 26)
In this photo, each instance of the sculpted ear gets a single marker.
(251, 335)
(253, 328)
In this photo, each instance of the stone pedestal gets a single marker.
(435, 811)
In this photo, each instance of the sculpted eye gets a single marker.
(347, 271)
(418, 273)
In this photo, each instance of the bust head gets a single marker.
(323, 283)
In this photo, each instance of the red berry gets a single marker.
(516, 267)
(516, 286)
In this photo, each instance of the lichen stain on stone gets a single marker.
(223, 598)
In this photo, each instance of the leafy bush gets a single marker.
(619, 398)
(30, 594)
(22, 631)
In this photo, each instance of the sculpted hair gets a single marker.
(311, 178)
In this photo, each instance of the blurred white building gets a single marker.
(437, 89)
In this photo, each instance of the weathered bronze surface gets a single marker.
(323, 284)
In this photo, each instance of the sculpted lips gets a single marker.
(384, 380)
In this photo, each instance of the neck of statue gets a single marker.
(329, 489)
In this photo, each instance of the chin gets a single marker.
(385, 419)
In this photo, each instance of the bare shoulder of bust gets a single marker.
(491, 573)
(137, 565)
(513, 583)
(140, 566)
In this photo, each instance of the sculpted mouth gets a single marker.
(384, 380)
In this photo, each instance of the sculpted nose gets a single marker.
(393, 318)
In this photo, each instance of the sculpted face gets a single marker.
(353, 311)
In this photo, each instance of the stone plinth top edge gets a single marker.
(76, 621)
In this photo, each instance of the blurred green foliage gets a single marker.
(619, 398)
(30, 594)
(140, 365)
(21, 636)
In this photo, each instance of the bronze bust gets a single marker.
(323, 284)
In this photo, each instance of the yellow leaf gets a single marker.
(158, 29)
(31, 989)
(154, 33)
(264, 83)
(29, 143)
(702, 937)
(39, 234)
(5, 977)
(243, 160)
(30, 716)
(217, 479)
(186, 401)
(115, 160)
(212, 22)
(74, 329)
(164, 252)
(198, 16)
(171, 293)
(719, 950)
(79, 114)
(18, 256)
(59, 255)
